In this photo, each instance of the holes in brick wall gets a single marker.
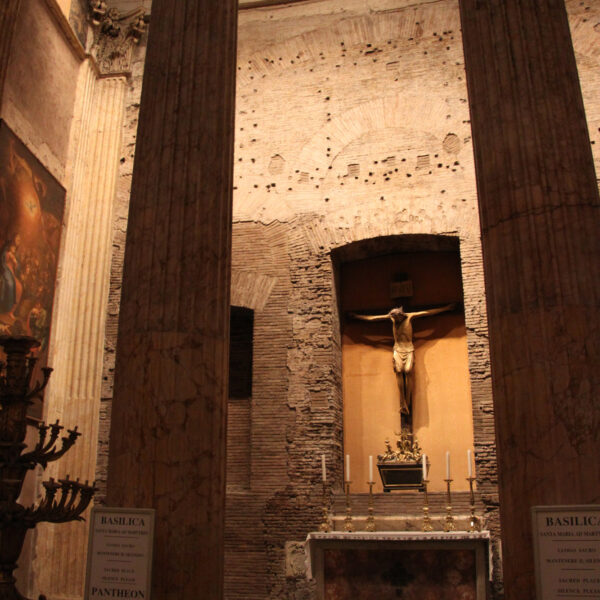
(353, 170)
(423, 162)
(451, 144)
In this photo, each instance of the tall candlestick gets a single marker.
(424, 467)
(347, 467)
(370, 526)
(427, 526)
(348, 526)
(469, 466)
(449, 524)
(448, 464)
(324, 526)
(370, 468)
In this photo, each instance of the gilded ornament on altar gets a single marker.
(407, 449)
(399, 469)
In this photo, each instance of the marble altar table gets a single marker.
(400, 565)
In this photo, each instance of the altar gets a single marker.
(399, 565)
(405, 378)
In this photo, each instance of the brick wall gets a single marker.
(351, 126)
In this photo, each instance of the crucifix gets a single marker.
(404, 350)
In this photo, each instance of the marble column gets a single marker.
(9, 11)
(540, 219)
(167, 440)
(74, 392)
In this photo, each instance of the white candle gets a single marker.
(469, 466)
(323, 470)
(424, 467)
(347, 467)
(370, 468)
(448, 464)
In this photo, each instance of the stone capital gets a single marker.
(116, 34)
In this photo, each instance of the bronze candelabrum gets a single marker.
(64, 499)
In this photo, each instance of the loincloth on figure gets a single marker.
(403, 359)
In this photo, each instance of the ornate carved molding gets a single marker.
(116, 34)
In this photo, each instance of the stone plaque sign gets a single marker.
(119, 561)
(567, 551)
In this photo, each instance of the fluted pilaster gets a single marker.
(539, 212)
(74, 395)
(9, 11)
(167, 438)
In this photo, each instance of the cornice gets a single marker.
(246, 4)
(65, 28)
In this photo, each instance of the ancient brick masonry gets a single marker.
(374, 142)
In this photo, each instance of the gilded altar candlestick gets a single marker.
(348, 524)
(449, 524)
(370, 519)
(427, 526)
(324, 526)
(474, 524)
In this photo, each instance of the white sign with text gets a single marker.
(119, 561)
(567, 551)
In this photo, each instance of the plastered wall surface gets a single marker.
(41, 86)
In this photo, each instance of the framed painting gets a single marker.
(32, 205)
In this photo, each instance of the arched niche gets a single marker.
(417, 272)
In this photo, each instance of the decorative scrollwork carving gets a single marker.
(407, 449)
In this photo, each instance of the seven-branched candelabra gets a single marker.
(65, 499)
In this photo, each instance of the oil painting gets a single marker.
(31, 213)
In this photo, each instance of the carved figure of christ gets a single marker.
(404, 350)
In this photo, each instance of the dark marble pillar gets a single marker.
(167, 441)
(540, 220)
(9, 11)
